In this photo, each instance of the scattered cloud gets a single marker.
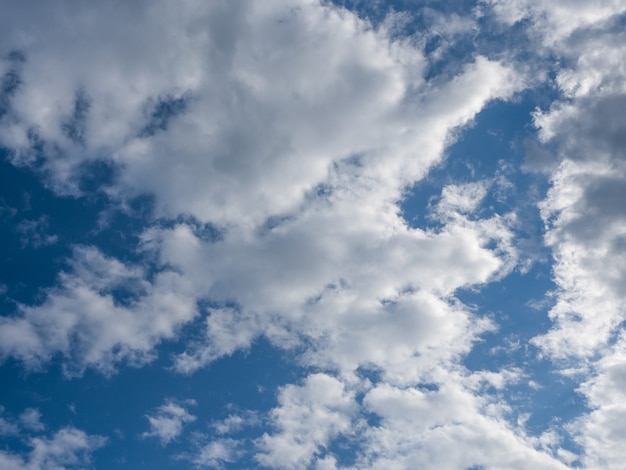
(292, 131)
(103, 312)
(168, 420)
(308, 418)
(216, 453)
(66, 449)
(35, 232)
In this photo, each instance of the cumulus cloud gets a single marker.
(168, 420)
(602, 431)
(216, 453)
(418, 427)
(558, 19)
(414, 425)
(103, 312)
(584, 208)
(254, 125)
(338, 273)
(294, 129)
(237, 130)
(28, 421)
(307, 418)
(66, 449)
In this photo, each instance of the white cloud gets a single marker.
(302, 128)
(463, 198)
(337, 274)
(449, 427)
(452, 422)
(7, 427)
(216, 453)
(557, 19)
(85, 320)
(584, 209)
(35, 232)
(30, 419)
(68, 448)
(308, 417)
(167, 422)
(262, 124)
(235, 422)
(602, 432)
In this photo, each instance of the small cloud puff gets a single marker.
(168, 420)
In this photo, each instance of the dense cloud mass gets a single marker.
(262, 155)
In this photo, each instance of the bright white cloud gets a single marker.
(85, 320)
(308, 418)
(262, 127)
(262, 123)
(558, 19)
(216, 453)
(297, 130)
(68, 448)
(338, 273)
(584, 208)
(236, 422)
(449, 427)
(602, 432)
(168, 420)
(584, 211)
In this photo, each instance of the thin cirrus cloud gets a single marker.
(274, 143)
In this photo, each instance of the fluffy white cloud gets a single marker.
(308, 417)
(448, 427)
(261, 130)
(259, 124)
(216, 453)
(87, 320)
(296, 128)
(68, 448)
(167, 422)
(30, 419)
(584, 208)
(584, 211)
(348, 274)
(601, 433)
(452, 422)
(557, 19)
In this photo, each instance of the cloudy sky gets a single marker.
(304, 234)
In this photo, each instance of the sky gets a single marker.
(313, 234)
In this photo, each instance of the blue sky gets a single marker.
(300, 234)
